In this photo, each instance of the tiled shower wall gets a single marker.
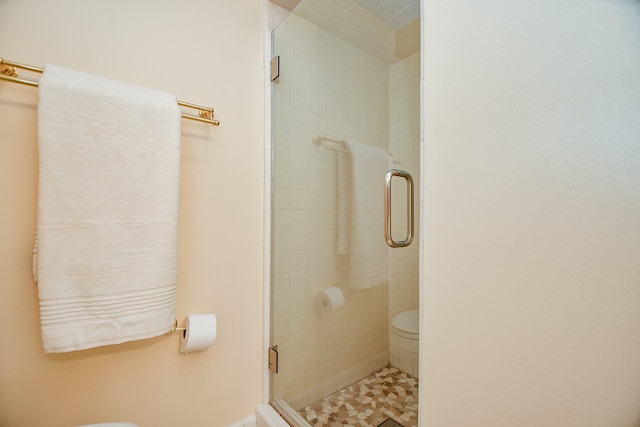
(330, 88)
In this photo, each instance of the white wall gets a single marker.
(531, 313)
(206, 52)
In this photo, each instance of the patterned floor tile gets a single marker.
(388, 393)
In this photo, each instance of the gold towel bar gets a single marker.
(9, 72)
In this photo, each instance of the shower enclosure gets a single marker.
(345, 110)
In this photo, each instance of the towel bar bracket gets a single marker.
(6, 70)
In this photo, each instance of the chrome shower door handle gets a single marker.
(387, 208)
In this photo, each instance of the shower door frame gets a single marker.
(268, 219)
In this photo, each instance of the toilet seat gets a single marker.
(406, 324)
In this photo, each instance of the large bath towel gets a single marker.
(369, 252)
(106, 251)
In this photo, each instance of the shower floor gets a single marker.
(388, 393)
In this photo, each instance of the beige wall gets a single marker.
(207, 52)
(532, 235)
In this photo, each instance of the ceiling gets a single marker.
(396, 13)
(387, 29)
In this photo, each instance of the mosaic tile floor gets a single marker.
(388, 393)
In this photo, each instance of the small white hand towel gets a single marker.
(106, 250)
(369, 252)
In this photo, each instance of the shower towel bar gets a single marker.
(9, 72)
(338, 144)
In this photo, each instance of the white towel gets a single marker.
(106, 250)
(369, 252)
(343, 220)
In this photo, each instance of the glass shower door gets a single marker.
(335, 284)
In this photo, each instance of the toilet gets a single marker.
(404, 341)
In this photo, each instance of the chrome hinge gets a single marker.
(273, 359)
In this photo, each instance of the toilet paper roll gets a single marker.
(330, 298)
(200, 333)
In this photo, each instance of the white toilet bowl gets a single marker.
(404, 341)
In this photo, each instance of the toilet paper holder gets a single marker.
(198, 333)
(177, 328)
